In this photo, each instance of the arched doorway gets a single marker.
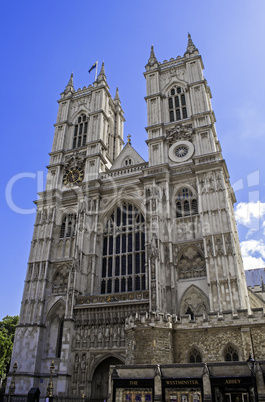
(100, 379)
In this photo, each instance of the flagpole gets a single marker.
(96, 70)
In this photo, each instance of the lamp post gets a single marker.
(12, 386)
(251, 365)
(49, 393)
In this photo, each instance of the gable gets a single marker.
(127, 157)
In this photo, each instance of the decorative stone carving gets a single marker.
(219, 246)
(210, 183)
(209, 246)
(60, 280)
(30, 269)
(76, 367)
(76, 159)
(83, 367)
(166, 253)
(228, 244)
(164, 198)
(195, 301)
(153, 249)
(36, 271)
(191, 263)
(219, 182)
(179, 132)
(82, 207)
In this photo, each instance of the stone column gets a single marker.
(207, 392)
(157, 384)
(260, 383)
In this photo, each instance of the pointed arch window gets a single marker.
(186, 203)
(231, 354)
(60, 340)
(80, 131)
(177, 104)
(123, 261)
(68, 226)
(195, 356)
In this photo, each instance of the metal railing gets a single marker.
(55, 398)
(77, 399)
(13, 398)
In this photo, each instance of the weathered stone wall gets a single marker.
(211, 335)
(149, 340)
(209, 342)
(159, 339)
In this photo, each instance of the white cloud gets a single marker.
(252, 263)
(253, 254)
(249, 214)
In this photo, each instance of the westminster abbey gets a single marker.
(135, 287)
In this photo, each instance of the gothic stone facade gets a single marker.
(135, 262)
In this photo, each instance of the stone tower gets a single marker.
(117, 237)
(195, 217)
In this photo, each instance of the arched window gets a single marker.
(128, 161)
(195, 356)
(60, 340)
(123, 262)
(67, 226)
(230, 354)
(54, 331)
(177, 104)
(186, 203)
(80, 131)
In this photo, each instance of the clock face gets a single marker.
(73, 177)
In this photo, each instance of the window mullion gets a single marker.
(133, 251)
(113, 257)
(126, 252)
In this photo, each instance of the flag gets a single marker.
(92, 68)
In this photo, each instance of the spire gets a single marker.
(152, 59)
(70, 83)
(70, 86)
(102, 75)
(117, 95)
(102, 71)
(191, 47)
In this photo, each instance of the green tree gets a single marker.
(7, 334)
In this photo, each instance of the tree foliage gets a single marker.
(7, 334)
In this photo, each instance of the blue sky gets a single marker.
(44, 41)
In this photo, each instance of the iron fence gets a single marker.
(77, 399)
(13, 398)
(55, 398)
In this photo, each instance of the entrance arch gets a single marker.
(100, 380)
